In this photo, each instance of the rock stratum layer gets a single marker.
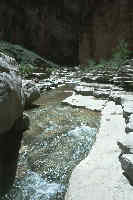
(67, 32)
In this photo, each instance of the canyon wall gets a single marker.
(67, 31)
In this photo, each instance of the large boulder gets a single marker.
(11, 96)
(12, 120)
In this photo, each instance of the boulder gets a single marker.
(31, 92)
(127, 165)
(12, 120)
(84, 90)
(129, 126)
(11, 94)
(126, 144)
(127, 105)
(88, 102)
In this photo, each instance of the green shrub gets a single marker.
(26, 69)
(120, 54)
(91, 63)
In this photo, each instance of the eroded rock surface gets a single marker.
(11, 95)
(12, 121)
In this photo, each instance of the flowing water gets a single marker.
(59, 137)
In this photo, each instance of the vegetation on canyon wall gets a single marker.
(120, 55)
(30, 62)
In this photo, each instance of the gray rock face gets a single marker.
(127, 165)
(12, 121)
(129, 126)
(31, 92)
(93, 89)
(126, 144)
(127, 105)
(84, 90)
(11, 96)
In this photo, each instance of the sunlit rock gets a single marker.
(88, 102)
(84, 90)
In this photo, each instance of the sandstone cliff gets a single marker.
(69, 31)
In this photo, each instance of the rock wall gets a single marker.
(106, 24)
(69, 31)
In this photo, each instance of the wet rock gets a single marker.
(22, 124)
(96, 79)
(126, 144)
(88, 102)
(84, 90)
(127, 165)
(40, 76)
(102, 76)
(96, 85)
(124, 77)
(127, 109)
(102, 93)
(48, 84)
(10, 142)
(31, 92)
(115, 95)
(128, 97)
(121, 77)
(127, 105)
(129, 125)
(94, 89)
(129, 85)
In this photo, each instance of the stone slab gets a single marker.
(99, 176)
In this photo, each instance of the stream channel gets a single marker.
(59, 137)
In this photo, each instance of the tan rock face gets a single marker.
(68, 32)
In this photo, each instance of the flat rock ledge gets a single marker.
(101, 176)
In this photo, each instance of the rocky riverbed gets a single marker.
(76, 109)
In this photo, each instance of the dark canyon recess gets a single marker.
(67, 31)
